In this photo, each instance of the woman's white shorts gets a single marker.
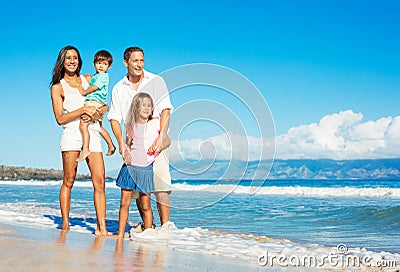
(71, 140)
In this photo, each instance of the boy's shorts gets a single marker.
(96, 104)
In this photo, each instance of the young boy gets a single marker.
(96, 95)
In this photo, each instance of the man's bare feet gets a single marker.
(111, 150)
(83, 156)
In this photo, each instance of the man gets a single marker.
(139, 80)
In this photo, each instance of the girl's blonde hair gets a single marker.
(133, 113)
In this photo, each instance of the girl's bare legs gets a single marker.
(84, 128)
(126, 196)
(96, 166)
(146, 209)
(69, 167)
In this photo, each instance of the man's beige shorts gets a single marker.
(162, 176)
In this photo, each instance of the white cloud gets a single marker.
(224, 147)
(341, 135)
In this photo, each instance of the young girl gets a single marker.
(137, 174)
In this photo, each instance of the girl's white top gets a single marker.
(143, 137)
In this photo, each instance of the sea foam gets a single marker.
(346, 191)
(265, 250)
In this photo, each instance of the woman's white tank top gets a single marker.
(73, 100)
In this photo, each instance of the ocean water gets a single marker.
(253, 221)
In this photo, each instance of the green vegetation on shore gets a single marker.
(26, 173)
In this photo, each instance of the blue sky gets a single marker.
(309, 59)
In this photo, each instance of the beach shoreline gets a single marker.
(24, 248)
(240, 232)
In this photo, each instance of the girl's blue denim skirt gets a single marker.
(132, 177)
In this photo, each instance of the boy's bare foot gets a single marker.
(83, 156)
(111, 150)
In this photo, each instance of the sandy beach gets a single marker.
(37, 249)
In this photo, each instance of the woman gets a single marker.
(68, 109)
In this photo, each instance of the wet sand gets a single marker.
(37, 249)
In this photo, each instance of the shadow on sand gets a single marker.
(86, 222)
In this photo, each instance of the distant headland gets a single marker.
(26, 173)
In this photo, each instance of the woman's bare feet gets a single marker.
(65, 227)
(102, 233)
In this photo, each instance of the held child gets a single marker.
(137, 172)
(96, 95)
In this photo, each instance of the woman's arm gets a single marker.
(104, 109)
(64, 118)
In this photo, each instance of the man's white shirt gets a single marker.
(123, 93)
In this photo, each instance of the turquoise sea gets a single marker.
(212, 217)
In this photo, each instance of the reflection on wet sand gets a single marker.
(100, 253)
(141, 257)
(89, 255)
(98, 243)
(62, 237)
